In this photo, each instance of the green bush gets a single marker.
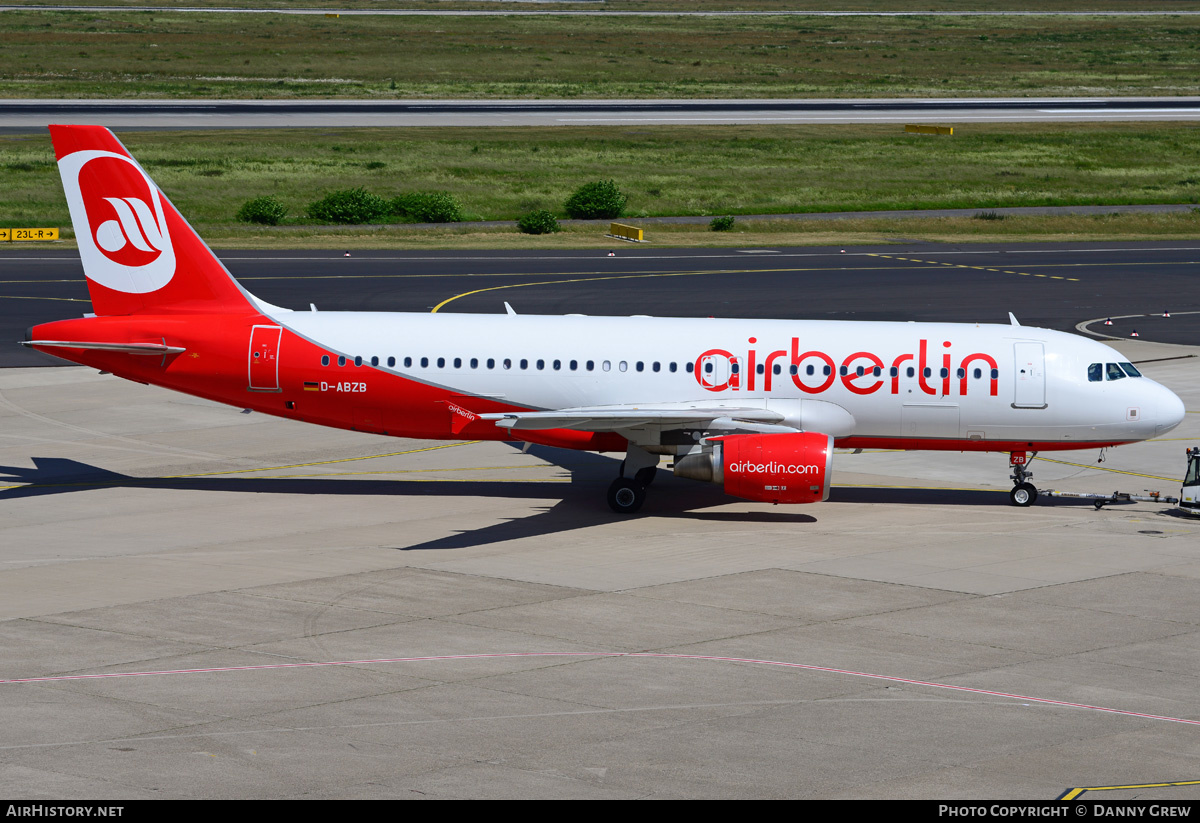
(349, 206)
(266, 210)
(720, 224)
(595, 201)
(427, 207)
(538, 222)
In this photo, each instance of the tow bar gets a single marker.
(1099, 500)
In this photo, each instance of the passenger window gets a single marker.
(358, 360)
(474, 362)
(640, 366)
(606, 365)
(690, 366)
(995, 373)
(574, 365)
(557, 365)
(491, 363)
(673, 367)
(810, 370)
(760, 368)
(1113, 371)
(1130, 370)
(876, 371)
(424, 362)
(910, 371)
(962, 373)
(341, 359)
(324, 360)
(441, 362)
(843, 371)
(623, 366)
(978, 373)
(944, 373)
(708, 367)
(374, 360)
(524, 363)
(795, 369)
(408, 362)
(541, 364)
(828, 370)
(1095, 372)
(733, 368)
(458, 362)
(777, 369)
(507, 363)
(656, 366)
(391, 362)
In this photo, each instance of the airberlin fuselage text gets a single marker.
(861, 372)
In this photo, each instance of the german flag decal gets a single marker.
(309, 386)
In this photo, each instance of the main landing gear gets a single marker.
(1023, 492)
(627, 494)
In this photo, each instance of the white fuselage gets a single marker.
(918, 381)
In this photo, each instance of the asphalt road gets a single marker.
(19, 116)
(1051, 285)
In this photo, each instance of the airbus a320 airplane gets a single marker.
(754, 405)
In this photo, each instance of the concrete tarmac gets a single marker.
(914, 637)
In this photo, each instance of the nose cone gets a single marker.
(1168, 411)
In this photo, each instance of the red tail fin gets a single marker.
(140, 256)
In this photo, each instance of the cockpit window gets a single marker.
(1113, 371)
(1095, 372)
(1130, 370)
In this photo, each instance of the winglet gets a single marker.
(509, 309)
(1012, 318)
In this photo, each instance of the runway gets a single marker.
(1050, 285)
(278, 610)
(18, 116)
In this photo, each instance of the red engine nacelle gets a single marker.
(778, 468)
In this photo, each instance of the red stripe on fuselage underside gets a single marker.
(958, 445)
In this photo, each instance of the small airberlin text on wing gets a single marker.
(40, 810)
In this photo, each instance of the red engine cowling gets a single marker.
(778, 468)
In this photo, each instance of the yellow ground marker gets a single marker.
(1076, 793)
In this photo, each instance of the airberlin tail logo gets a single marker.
(119, 222)
(135, 230)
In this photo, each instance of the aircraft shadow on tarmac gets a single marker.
(580, 503)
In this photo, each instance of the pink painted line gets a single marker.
(656, 655)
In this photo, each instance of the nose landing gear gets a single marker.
(1023, 492)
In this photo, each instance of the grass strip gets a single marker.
(170, 54)
(502, 6)
(500, 174)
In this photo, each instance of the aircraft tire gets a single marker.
(1023, 494)
(626, 496)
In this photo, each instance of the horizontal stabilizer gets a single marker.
(127, 348)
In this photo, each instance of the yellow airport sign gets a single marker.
(18, 235)
(929, 129)
(623, 232)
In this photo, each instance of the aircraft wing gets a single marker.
(617, 418)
